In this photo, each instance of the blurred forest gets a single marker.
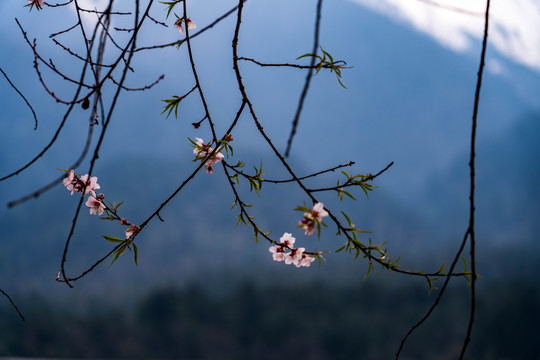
(313, 321)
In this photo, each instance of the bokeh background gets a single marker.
(205, 289)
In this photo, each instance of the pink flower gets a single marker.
(202, 150)
(73, 183)
(95, 204)
(313, 217)
(306, 260)
(198, 149)
(131, 230)
(217, 157)
(294, 256)
(89, 186)
(190, 25)
(287, 240)
(308, 225)
(68, 181)
(318, 212)
(278, 253)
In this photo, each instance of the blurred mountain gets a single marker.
(199, 242)
(508, 198)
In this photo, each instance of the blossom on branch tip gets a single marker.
(91, 185)
(306, 260)
(95, 203)
(68, 181)
(73, 183)
(198, 149)
(132, 229)
(313, 218)
(278, 253)
(318, 211)
(294, 256)
(190, 25)
(308, 225)
(202, 150)
(287, 240)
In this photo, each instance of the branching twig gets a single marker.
(24, 98)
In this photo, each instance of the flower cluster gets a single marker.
(86, 185)
(313, 218)
(295, 256)
(202, 150)
(190, 24)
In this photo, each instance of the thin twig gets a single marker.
(178, 43)
(146, 87)
(472, 168)
(13, 304)
(308, 79)
(24, 98)
(325, 66)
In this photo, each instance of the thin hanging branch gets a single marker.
(308, 79)
(470, 232)
(13, 304)
(472, 168)
(24, 98)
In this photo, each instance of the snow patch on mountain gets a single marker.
(458, 24)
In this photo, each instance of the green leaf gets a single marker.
(113, 239)
(135, 253)
(172, 104)
(302, 209)
(327, 61)
(347, 193)
(430, 284)
(341, 248)
(339, 80)
(348, 218)
(358, 243)
(370, 266)
(309, 54)
(327, 54)
(118, 253)
(361, 231)
(441, 269)
(171, 5)
(32, 4)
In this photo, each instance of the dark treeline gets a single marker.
(307, 321)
